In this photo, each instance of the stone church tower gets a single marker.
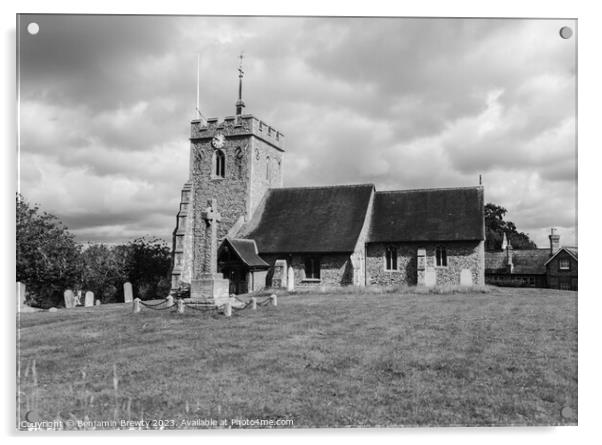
(232, 164)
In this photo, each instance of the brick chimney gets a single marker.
(509, 263)
(554, 241)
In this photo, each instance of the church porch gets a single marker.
(239, 262)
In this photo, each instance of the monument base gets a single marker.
(210, 288)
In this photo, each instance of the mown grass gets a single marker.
(501, 357)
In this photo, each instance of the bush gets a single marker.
(147, 263)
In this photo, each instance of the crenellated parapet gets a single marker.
(243, 125)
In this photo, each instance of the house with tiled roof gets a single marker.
(553, 267)
(239, 230)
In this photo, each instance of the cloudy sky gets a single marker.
(106, 103)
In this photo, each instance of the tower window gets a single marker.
(267, 168)
(391, 258)
(220, 164)
(238, 161)
(441, 256)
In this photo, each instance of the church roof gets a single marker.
(310, 219)
(454, 214)
(246, 250)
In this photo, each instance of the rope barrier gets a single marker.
(202, 309)
(155, 308)
(202, 306)
(264, 302)
(153, 305)
(238, 309)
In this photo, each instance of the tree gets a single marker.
(147, 263)
(102, 273)
(495, 227)
(47, 255)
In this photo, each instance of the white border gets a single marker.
(590, 308)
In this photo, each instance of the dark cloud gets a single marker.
(106, 101)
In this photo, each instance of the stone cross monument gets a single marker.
(211, 217)
(211, 286)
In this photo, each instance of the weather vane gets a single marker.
(240, 71)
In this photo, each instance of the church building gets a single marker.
(239, 230)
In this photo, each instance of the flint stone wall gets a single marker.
(237, 194)
(335, 269)
(460, 255)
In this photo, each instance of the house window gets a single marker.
(441, 256)
(220, 164)
(312, 268)
(564, 264)
(391, 258)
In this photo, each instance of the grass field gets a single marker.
(507, 357)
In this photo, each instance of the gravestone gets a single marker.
(290, 280)
(77, 301)
(89, 299)
(128, 296)
(97, 302)
(69, 297)
(279, 277)
(466, 277)
(53, 309)
(20, 295)
(430, 277)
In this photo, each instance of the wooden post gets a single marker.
(254, 303)
(136, 305)
(274, 300)
(228, 309)
(180, 306)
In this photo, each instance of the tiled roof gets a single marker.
(526, 262)
(309, 219)
(247, 252)
(570, 250)
(495, 261)
(454, 214)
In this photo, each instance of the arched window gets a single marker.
(238, 160)
(220, 164)
(267, 168)
(391, 258)
(441, 256)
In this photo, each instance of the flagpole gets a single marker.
(198, 85)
